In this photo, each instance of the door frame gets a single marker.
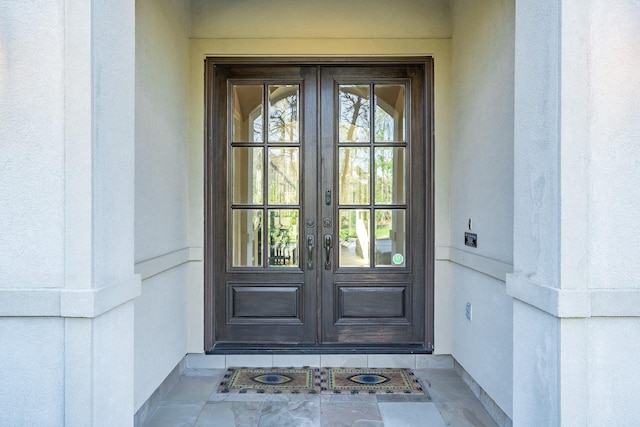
(212, 193)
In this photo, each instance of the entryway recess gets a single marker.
(319, 204)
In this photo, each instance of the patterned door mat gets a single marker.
(271, 380)
(370, 380)
(320, 380)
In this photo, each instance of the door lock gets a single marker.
(327, 197)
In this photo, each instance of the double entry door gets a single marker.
(317, 187)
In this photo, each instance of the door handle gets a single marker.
(311, 242)
(328, 244)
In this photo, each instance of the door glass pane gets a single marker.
(390, 113)
(247, 176)
(354, 237)
(353, 175)
(283, 237)
(389, 175)
(283, 113)
(246, 238)
(390, 238)
(283, 175)
(354, 113)
(247, 113)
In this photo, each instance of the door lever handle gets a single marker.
(328, 244)
(311, 242)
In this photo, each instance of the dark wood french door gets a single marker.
(318, 218)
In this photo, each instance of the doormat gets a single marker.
(369, 381)
(271, 380)
(320, 380)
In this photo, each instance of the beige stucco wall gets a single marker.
(162, 72)
(336, 19)
(482, 190)
(331, 28)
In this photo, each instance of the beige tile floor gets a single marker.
(194, 402)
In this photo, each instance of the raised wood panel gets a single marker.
(372, 302)
(262, 302)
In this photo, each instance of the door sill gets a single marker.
(228, 348)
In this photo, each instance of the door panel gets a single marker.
(253, 302)
(261, 291)
(358, 302)
(316, 203)
(375, 293)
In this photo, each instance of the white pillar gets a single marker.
(576, 284)
(536, 212)
(67, 154)
(100, 282)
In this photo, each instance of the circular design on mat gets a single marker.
(272, 379)
(368, 379)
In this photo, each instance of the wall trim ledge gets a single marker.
(154, 266)
(59, 302)
(489, 266)
(575, 303)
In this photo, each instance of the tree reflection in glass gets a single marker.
(354, 113)
(389, 164)
(283, 237)
(354, 175)
(283, 175)
(283, 113)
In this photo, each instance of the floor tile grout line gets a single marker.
(440, 405)
(199, 414)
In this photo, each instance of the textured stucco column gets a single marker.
(536, 333)
(99, 208)
(575, 282)
(67, 279)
